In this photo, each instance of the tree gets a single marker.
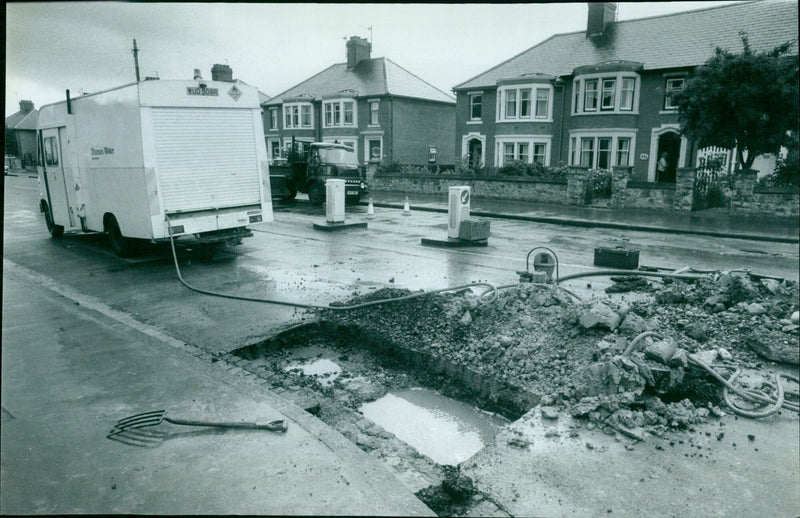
(11, 146)
(748, 101)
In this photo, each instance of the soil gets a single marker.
(537, 345)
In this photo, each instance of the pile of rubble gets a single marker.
(621, 361)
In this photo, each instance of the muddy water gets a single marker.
(446, 430)
(324, 370)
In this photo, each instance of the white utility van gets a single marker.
(154, 158)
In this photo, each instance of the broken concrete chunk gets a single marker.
(697, 330)
(633, 324)
(680, 358)
(599, 315)
(795, 318)
(549, 412)
(707, 357)
(661, 351)
(466, 319)
(756, 309)
(724, 355)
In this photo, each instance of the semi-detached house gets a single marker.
(384, 112)
(604, 96)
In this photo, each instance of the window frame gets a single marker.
(670, 92)
(374, 113)
(273, 118)
(338, 113)
(603, 83)
(614, 152)
(473, 104)
(532, 90)
(293, 115)
(518, 143)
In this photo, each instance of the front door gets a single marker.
(475, 153)
(669, 147)
(57, 183)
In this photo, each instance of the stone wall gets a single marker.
(524, 189)
(625, 193)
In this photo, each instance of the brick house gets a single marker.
(384, 112)
(22, 125)
(603, 97)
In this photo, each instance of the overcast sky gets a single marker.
(86, 46)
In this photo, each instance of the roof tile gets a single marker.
(670, 41)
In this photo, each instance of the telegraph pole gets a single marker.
(136, 59)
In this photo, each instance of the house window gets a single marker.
(340, 112)
(674, 85)
(539, 153)
(609, 94)
(374, 149)
(273, 118)
(614, 93)
(623, 151)
(529, 150)
(373, 113)
(475, 101)
(601, 151)
(298, 115)
(587, 152)
(542, 103)
(590, 97)
(626, 94)
(517, 103)
(525, 103)
(604, 152)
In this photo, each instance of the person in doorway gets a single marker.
(661, 168)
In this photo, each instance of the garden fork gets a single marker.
(156, 417)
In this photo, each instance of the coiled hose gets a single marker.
(755, 397)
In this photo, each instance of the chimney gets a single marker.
(600, 15)
(222, 73)
(26, 106)
(358, 49)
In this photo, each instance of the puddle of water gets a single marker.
(325, 370)
(446, 430)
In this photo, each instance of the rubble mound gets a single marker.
(616, 362)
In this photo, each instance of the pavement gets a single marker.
(716, 223)
(72, 366)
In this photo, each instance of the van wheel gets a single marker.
(316, 194)
(121, 245)
(56, 231)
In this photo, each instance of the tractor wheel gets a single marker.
(316, 194)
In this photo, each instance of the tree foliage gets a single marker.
(748, 101)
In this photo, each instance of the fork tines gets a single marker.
(141, 420)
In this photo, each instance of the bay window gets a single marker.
(339, 112)
(529, 149)
(298, 115)
(524, 102)
(602, 150)
(611, 92)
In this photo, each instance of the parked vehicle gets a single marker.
(307, 169)
(154, 159)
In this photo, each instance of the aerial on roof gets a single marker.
(371, 77)
(670, 41)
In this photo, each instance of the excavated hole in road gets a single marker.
(419, 414)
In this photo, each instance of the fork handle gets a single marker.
(278, 424)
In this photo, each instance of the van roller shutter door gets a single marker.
(206, 158)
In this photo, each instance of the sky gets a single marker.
(86, 46)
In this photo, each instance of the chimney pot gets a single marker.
(222, 73)
(600, 15)
(358, 49)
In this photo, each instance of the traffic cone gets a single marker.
(370, 210)
(406, 208)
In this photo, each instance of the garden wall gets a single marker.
(525, 189)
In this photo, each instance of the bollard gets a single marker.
(406, 208)
(370, 210)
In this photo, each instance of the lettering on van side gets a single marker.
(97, 152)
(196, 90)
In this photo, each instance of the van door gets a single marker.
(57, 185)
